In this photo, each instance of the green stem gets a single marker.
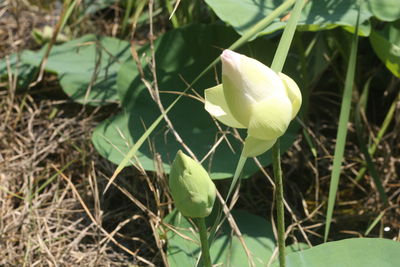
(205, 250)
(125, 21)
(276, 163)
(170, 8)
(277, 66)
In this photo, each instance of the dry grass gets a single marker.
(53, 212)
(42, 221)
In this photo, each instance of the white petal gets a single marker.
(293, 93)
(254, 147)
(270, 118)
(239, 104)
(217, 107)
(247, 81)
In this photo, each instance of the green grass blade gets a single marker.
(5, 190)
(67, 14)
(242, 40)
(374, 223)
(287, 37)
(385, 125)
(382, 130)
(310, 143)
(172, 15)
(237, 174)
(363, 145)
(125, 20)
(342, 130)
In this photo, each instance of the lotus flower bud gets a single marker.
(191, 188)
(255, 97)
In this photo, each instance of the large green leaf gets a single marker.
(92, 6)
(87, 67)
(227, 250)
(25, 73)
(355, 252)
(386, 10)
(386, 44)
(316, 15)
(182, 53)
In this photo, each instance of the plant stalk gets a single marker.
(174, 20)
(277, 66)
(205, 249)
(276, 163)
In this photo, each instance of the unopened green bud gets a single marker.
(191, 188)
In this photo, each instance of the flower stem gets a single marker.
(276, 162)
(277, 66)
(205, 250)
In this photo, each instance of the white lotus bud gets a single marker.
(253, 96)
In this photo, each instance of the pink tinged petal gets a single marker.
(293, 93)
(253, 78)
(270, 118)
(230, 61)
(216, 105)
(254, 147)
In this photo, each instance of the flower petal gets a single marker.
(217, 107)
(254, 147)
(293, 93)
(247, 81)
(270, 118)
